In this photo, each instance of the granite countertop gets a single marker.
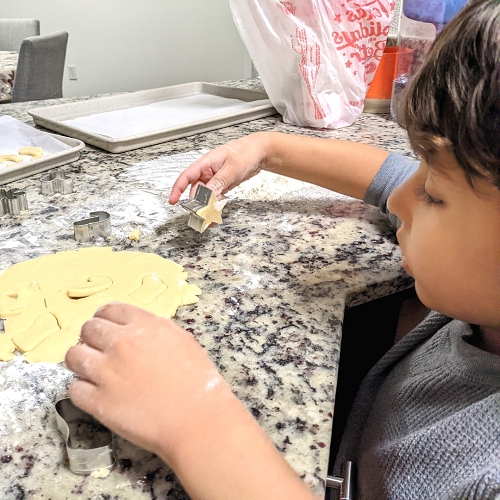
(275, 277)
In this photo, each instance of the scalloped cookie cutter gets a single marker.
(56, 181)
(83, 461)
(98, 225)
(12, 201)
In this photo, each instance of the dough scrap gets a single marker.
(46, 300)
(134, 235)
(101, 473)
(31, 151)
(212, 212)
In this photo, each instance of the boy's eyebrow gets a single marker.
(439, 170)
(440, 167)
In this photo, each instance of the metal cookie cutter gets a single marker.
(57, 181)
(99, 224)
(12, 201)
(83, 460)
(200, 200)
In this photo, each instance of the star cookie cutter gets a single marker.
(84, 460)
(12, 201)
(201, 199)
(56, 181)
(98, 225)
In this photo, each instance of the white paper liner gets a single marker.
(15, 135)
(161, 115)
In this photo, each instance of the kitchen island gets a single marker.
(275, 277)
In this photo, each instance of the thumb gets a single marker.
(217, 183)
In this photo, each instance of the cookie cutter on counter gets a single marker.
(56, 181)
(98, 225)
(12, 201)
(200, 200)
(83, 461)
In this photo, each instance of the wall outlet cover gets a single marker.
(72, 72)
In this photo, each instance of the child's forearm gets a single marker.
(229, 456)
(345, 167)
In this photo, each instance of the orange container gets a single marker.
(381, 86)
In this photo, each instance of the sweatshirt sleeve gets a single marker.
(393, 172)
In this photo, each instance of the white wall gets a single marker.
(119, 45)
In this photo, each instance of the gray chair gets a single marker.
(14, 31)
(40, 69)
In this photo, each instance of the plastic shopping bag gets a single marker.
(316, 58)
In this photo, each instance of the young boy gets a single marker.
(426, 422)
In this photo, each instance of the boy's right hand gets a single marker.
(145, 378)
(226, 167)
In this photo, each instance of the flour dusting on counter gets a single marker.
(266, 186)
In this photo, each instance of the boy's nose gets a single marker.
(399, 203)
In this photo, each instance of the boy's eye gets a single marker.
(429, 200)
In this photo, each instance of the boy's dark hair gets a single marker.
(454, 101)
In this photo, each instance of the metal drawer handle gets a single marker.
(343, 483)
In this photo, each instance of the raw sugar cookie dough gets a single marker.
(134, 235)
(212, 212)
(46, 300)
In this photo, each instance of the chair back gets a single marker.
(14, 31)
(40, 68)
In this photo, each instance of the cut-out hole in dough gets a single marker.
(95, 285)
(152, 286)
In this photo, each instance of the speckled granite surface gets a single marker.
(275, 279)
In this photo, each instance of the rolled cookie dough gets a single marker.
(47, 300)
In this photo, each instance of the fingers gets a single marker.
(193, 189)
(119, 313)
(190, 176)
(85, 362)
(99, 333)
(84, 395)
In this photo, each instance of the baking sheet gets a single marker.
(202, 107)
(15, 135)
(161, 115)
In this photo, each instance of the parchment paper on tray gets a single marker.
(15, 134)
(161, 115)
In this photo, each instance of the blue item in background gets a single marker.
(436, 12)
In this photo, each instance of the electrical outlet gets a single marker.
(72, 73)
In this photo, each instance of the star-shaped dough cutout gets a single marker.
(31, 295)
(212, 212)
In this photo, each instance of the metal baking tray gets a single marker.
(38, 165)
(51, 117)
